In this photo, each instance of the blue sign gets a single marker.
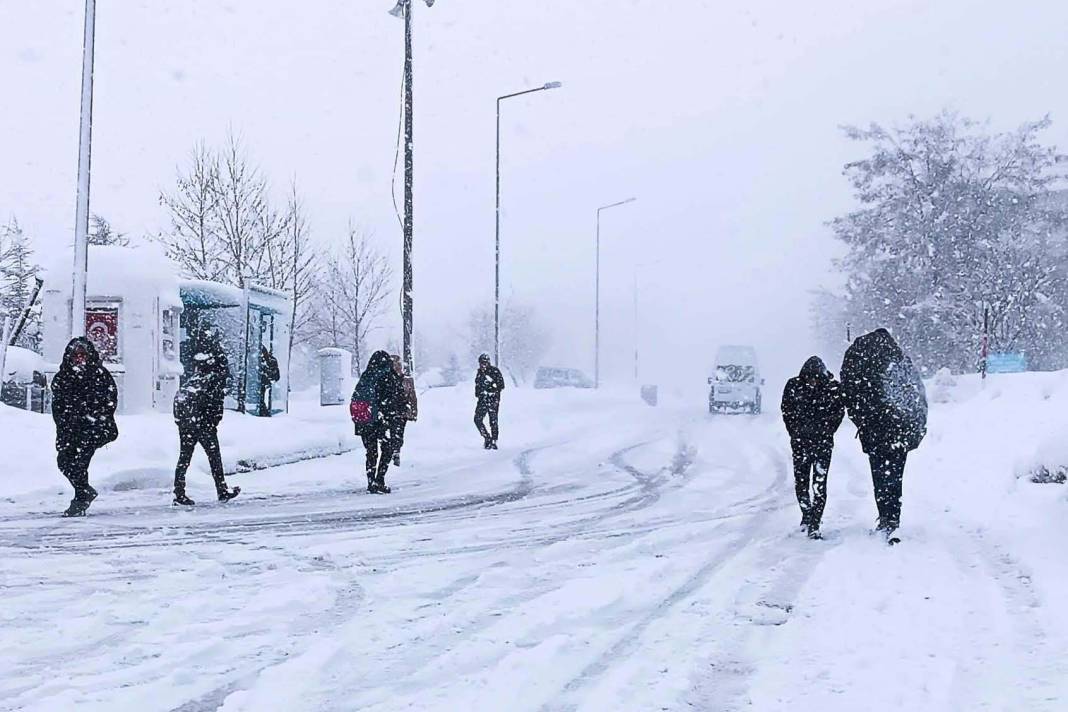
(1006, 363)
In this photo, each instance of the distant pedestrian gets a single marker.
(374, 407)
(887, 402)
(84, 399)
(407, 410)
(489, 383)
(812, 409)
(198, 410)
(269, 375)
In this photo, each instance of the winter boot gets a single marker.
(226, 496)
(488, 444)
(180, 498)
(77, 508)
(493, 445)
(814, 532)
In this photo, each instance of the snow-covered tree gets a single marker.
(101, 232)
(17, 273)
(193, 240)
(350, 295)
(955, 222)
(524, 339)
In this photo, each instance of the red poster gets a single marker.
(102, 328)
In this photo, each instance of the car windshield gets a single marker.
(735, 374)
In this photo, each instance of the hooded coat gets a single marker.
(812, 403)
(380, 386)
(200, 400)
(884, 394)
(84, 400)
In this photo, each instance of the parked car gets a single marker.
(561, 378)
(735, 386)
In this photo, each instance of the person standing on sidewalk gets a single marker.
(407, 410)
(489, 383)
(84, 399)
(812, 409)
(269, 375)
(198, 410)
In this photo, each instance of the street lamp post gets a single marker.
(497, 233)
(403, 8)
(85, 138)
(597, 307)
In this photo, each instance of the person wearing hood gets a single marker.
(407, 408)
(812, 409)
(887, 402)
(375, 407)
(84, 399)
(198, 410)
(489, 383)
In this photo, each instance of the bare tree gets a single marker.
(194, 238)
(524, 339)
(288, 260)
(17, 271)
(243, 211)
(352, 294)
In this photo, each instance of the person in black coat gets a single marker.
(198, 410)
(812, 409)
(489, 383)
(84, 399)
(887, 402)
(382, 389)
(269, 375)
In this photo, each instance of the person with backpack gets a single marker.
(84, 399)
(812, 409)
(407, 408)
(374, 407)
(198, 410)
(489, 383)
(886, 400)
(269, 375)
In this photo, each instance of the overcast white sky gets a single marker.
(722, 118)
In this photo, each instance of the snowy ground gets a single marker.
(609, 557)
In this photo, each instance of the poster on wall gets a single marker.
(102, 328)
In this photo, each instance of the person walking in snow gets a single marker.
(375, 406)
(812, 409)
(887, 402)
(489, 383)
(84, 399)
(198, 410)
(407, 409)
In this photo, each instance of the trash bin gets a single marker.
(649, 394)
(335, 368)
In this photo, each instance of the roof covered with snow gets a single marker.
(123, 272)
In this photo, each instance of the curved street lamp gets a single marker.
(597, 308)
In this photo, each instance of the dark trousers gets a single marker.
(189, 436)
(488, 407)
(396, 434)
(812, 462)
(265, 400)
(73, 460)
(379, 446)
(887, 472)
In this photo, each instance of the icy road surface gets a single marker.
(602, 560)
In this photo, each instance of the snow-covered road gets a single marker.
(609, 562)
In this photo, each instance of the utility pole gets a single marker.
(85, 139)
(597, 301)
(497, 233)
(984, 352)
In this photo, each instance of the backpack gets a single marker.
(362, 408)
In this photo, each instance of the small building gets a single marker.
(132, 311)
(140, 315)
(249, 321)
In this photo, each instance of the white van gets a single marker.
(736, 383)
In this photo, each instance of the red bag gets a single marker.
(360, 412)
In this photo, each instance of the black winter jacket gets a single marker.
(812, 403)
(488, 383)
(84, 400)
(884, 393)
(200, 400)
